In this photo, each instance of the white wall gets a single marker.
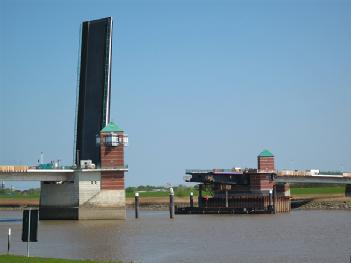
(108, 198)
(89, 186)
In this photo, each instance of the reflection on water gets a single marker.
(301, 236)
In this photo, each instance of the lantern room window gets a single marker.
(125, 140)
(97, 140)
(111, 140)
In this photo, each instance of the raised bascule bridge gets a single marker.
(93, 187)
(83, 192)
(261, 190)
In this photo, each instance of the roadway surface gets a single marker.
(50, 175)
(332, 179)
(38, 175)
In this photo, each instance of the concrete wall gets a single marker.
(96, 203)
(58, 213)
(62, 195)
(106, 204)
(59, 201)
(107, 198)
(81, 199)
(89, 185)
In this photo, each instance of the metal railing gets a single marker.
(202, 171)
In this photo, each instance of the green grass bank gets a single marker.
(17, 194)
(22, 259)
(179, 191)
(321, 190)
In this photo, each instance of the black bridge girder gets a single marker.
(237, 179)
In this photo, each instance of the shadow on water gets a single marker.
(298, 203)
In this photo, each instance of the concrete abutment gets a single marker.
(81, 198)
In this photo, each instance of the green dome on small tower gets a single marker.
(111, 127)
(266, 153)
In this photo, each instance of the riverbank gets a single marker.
(335, 202)
(302, 201)
(22, 259)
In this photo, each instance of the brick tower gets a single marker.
(265, 161)
(112, 141)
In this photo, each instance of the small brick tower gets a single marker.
(265, 161)
(112, 141)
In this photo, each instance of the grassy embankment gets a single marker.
(151, 194)
(22, 259)
(318, 190)
(16, 194)
(13, 198)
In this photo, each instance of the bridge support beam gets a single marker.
(348, 190)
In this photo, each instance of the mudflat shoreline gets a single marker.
(308, 204)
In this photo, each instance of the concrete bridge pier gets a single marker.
(348, 190)
(91, 193)
(86, 197)
(58, 200)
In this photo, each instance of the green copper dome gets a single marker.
(112, 127)
(266, 153)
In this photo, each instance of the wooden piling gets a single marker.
(191, 199)
(171, 203)
(226, 198)
(270, 201)
(274, 198)
(200, 196)
(136, 205)
(348, 190)
(9, 241)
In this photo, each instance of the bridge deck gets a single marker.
(38, 175)
(313, 179)
(50, 175)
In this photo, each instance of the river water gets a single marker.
(299, 236)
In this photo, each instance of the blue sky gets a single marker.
(195, 84)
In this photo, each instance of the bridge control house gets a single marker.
(240, 190)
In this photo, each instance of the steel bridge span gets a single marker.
(332, 179)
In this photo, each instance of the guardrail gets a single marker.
(193, 171)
